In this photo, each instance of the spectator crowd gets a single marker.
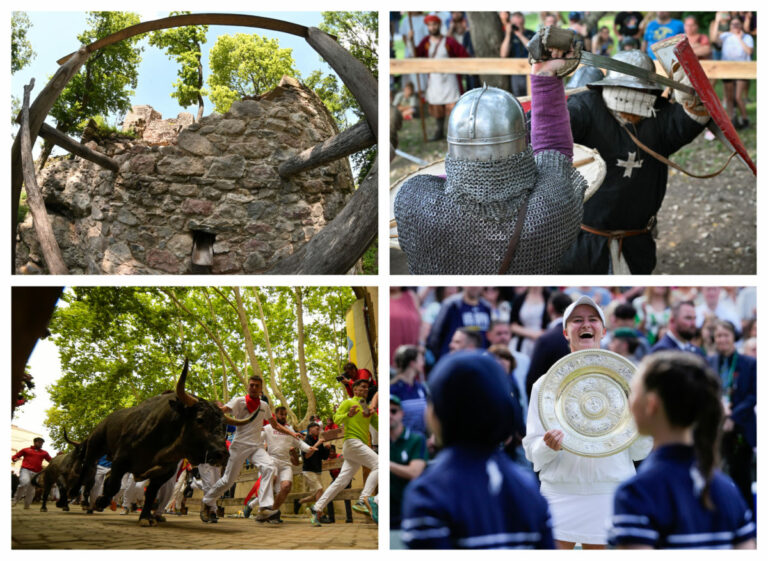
(727, 36)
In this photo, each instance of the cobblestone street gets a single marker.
(56, 529)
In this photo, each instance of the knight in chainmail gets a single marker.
(616, 235)
(463, 224)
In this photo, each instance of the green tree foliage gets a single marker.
(246, 65)
(121, 345)
(184, 45)
(105, 83)
(328, 89)
(22, 52)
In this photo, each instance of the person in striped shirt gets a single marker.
(678, 499)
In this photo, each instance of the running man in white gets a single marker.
(247, 444)
(357, 418)
(279, 446)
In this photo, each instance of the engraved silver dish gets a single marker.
(586, 395)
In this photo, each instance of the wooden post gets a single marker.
(43, 228)
(37, 113)
(336, 248)
(343, 144)
(71, 145)
(422, 117)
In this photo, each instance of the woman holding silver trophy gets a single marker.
(580, 434)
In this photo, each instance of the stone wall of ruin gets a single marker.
(218, 176)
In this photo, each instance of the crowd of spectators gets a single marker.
(522, 328)
(728, 36)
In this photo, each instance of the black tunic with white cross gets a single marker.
(635, 183)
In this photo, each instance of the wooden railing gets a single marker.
(715, 69)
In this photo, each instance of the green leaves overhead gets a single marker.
(246, 64)
(22, 52)
(121, 345)
(105, 83)
(184, 45)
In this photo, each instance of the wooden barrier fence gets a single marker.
(715, 69)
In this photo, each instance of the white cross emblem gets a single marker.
(629, 164)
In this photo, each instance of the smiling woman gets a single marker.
(574, 484)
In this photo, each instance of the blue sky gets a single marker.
(54, 34)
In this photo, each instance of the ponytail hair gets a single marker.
(690, 393)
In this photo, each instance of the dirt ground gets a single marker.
(705, 226)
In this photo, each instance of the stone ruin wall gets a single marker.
(217, 176)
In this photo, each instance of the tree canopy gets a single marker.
(184, 44)
(246, 64)
(22, 52)
(105, 83)
(121, 345)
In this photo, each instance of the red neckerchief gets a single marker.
(252, 404)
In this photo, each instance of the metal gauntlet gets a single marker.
(550, 37)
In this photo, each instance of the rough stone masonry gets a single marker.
(217, 177)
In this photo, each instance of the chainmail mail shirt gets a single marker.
(463, 224)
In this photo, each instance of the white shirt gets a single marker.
(251, 434)
(279, 444)
(566, 473)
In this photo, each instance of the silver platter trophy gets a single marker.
(586, 395)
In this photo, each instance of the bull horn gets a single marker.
(240, 422)
(183, 396)
(72, 442)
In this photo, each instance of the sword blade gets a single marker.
(619, 66)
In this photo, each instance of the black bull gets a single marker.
(63, 471)
(148, 440)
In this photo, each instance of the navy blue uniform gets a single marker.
(469, 498)
(660, 506)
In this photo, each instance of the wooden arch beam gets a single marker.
(239, 20)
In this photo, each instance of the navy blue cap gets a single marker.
(470, 393)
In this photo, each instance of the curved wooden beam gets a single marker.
(239, 20)
(336, 248)
(352, 72)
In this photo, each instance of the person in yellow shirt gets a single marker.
(357, 418)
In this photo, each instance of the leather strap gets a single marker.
(618, 234)
(669, 162)
(512, 248)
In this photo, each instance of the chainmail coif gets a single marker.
(463, 224)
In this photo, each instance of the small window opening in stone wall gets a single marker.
(202, 252)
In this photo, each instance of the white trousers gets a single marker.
(209, 475)
(25, 490)
(237, 455)
(356, 454)
(98, 481)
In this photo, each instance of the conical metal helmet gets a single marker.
(635, 58)
(486, 124)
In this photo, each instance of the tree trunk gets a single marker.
(215, 338)
(292, 418)
(305, 385)
(199, 84)
(224, 384)
(487, 36)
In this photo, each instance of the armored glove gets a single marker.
(551, 38)
(691, 102)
